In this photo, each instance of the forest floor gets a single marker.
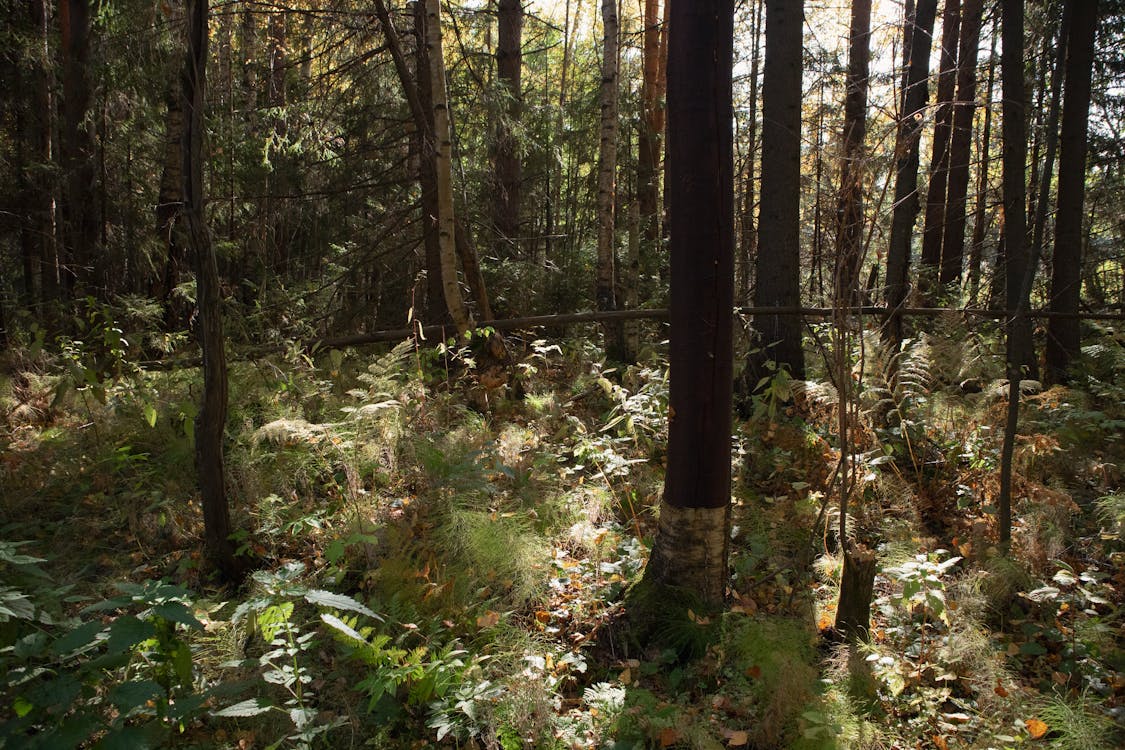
(440, 564)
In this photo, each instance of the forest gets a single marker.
(558, 374)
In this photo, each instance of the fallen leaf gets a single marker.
(940, 743)
(754, 672)
(738, 738)
(488, 619)
(669, 736)
(626, 676)
(1036, 728)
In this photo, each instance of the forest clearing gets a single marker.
(562, 374)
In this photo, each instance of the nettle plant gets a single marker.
(120, 672)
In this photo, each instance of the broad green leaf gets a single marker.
(130, 695)
(77, 639)
(127, 631)
(337, 624)
(150, 414)
(249, 707)
(177, 612)
(338, 601)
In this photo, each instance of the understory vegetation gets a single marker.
(440, 564)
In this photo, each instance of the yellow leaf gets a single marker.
(488, 619)
(626, 676)
(1036, 728)
(738, 738)
(940, 743)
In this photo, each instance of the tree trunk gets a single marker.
(953, 235)
(1017, 270)
(169, 203)
(651, 133)
(857, 584)
(918, 29)
(692, 541)
(939, 162)
(422, 108)
(849, 205)
(777, 268)
(747, 246)
(1064, 337)
(507, 165)
(976, 244)
(443, 166)
(210, 423)
(607, 181)
(79, 209)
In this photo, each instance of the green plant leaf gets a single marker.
(338, 601)
(77, 639)
(130, 695)
(339, 625)
(127, 631)
(242, 709)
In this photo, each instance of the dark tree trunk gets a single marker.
(79, 208)
(849, 205)
(1017, 270)
(953, 235)
(919, 30)
(508, 171)
(210, 424)
(1064, 337)
(777, 268)
(692, 541)
(169, 203)
(857, 583)
(976, 244)
(939, 161)
(651, 135)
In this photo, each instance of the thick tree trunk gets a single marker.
(79, 207)
(443, 165)
(507, 164)
(857, 584)
(849, 204)
(777, 268)
(691, 544)
(939, 161)
(607, 181)
(210, 423)
(918, 29)
(953, 235)
(1064, 337)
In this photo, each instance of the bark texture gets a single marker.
(849, 206)
(777, 269)
(1064, 336)
(691, 545)
(918, 29)
(506, 161)
(607, 179)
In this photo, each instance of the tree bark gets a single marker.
(1064, 337)
(76, 146)
(507, 165)
(443, 166)
(953, 234)
(651, 132)
(777, 268)
(607, 181)
(918, 28)
(849, 205)
(692, 541)
(210, 423)
(976, 244)
(169, 204)
(939, 162)
(748, 236)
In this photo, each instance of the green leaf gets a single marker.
(338, 601)
(272, 618)
(150, 414)
(130, 695)
(127, 631)
(82, 636)
(249, 707)
(337, 624)
(1033, 648)
(178, 612)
